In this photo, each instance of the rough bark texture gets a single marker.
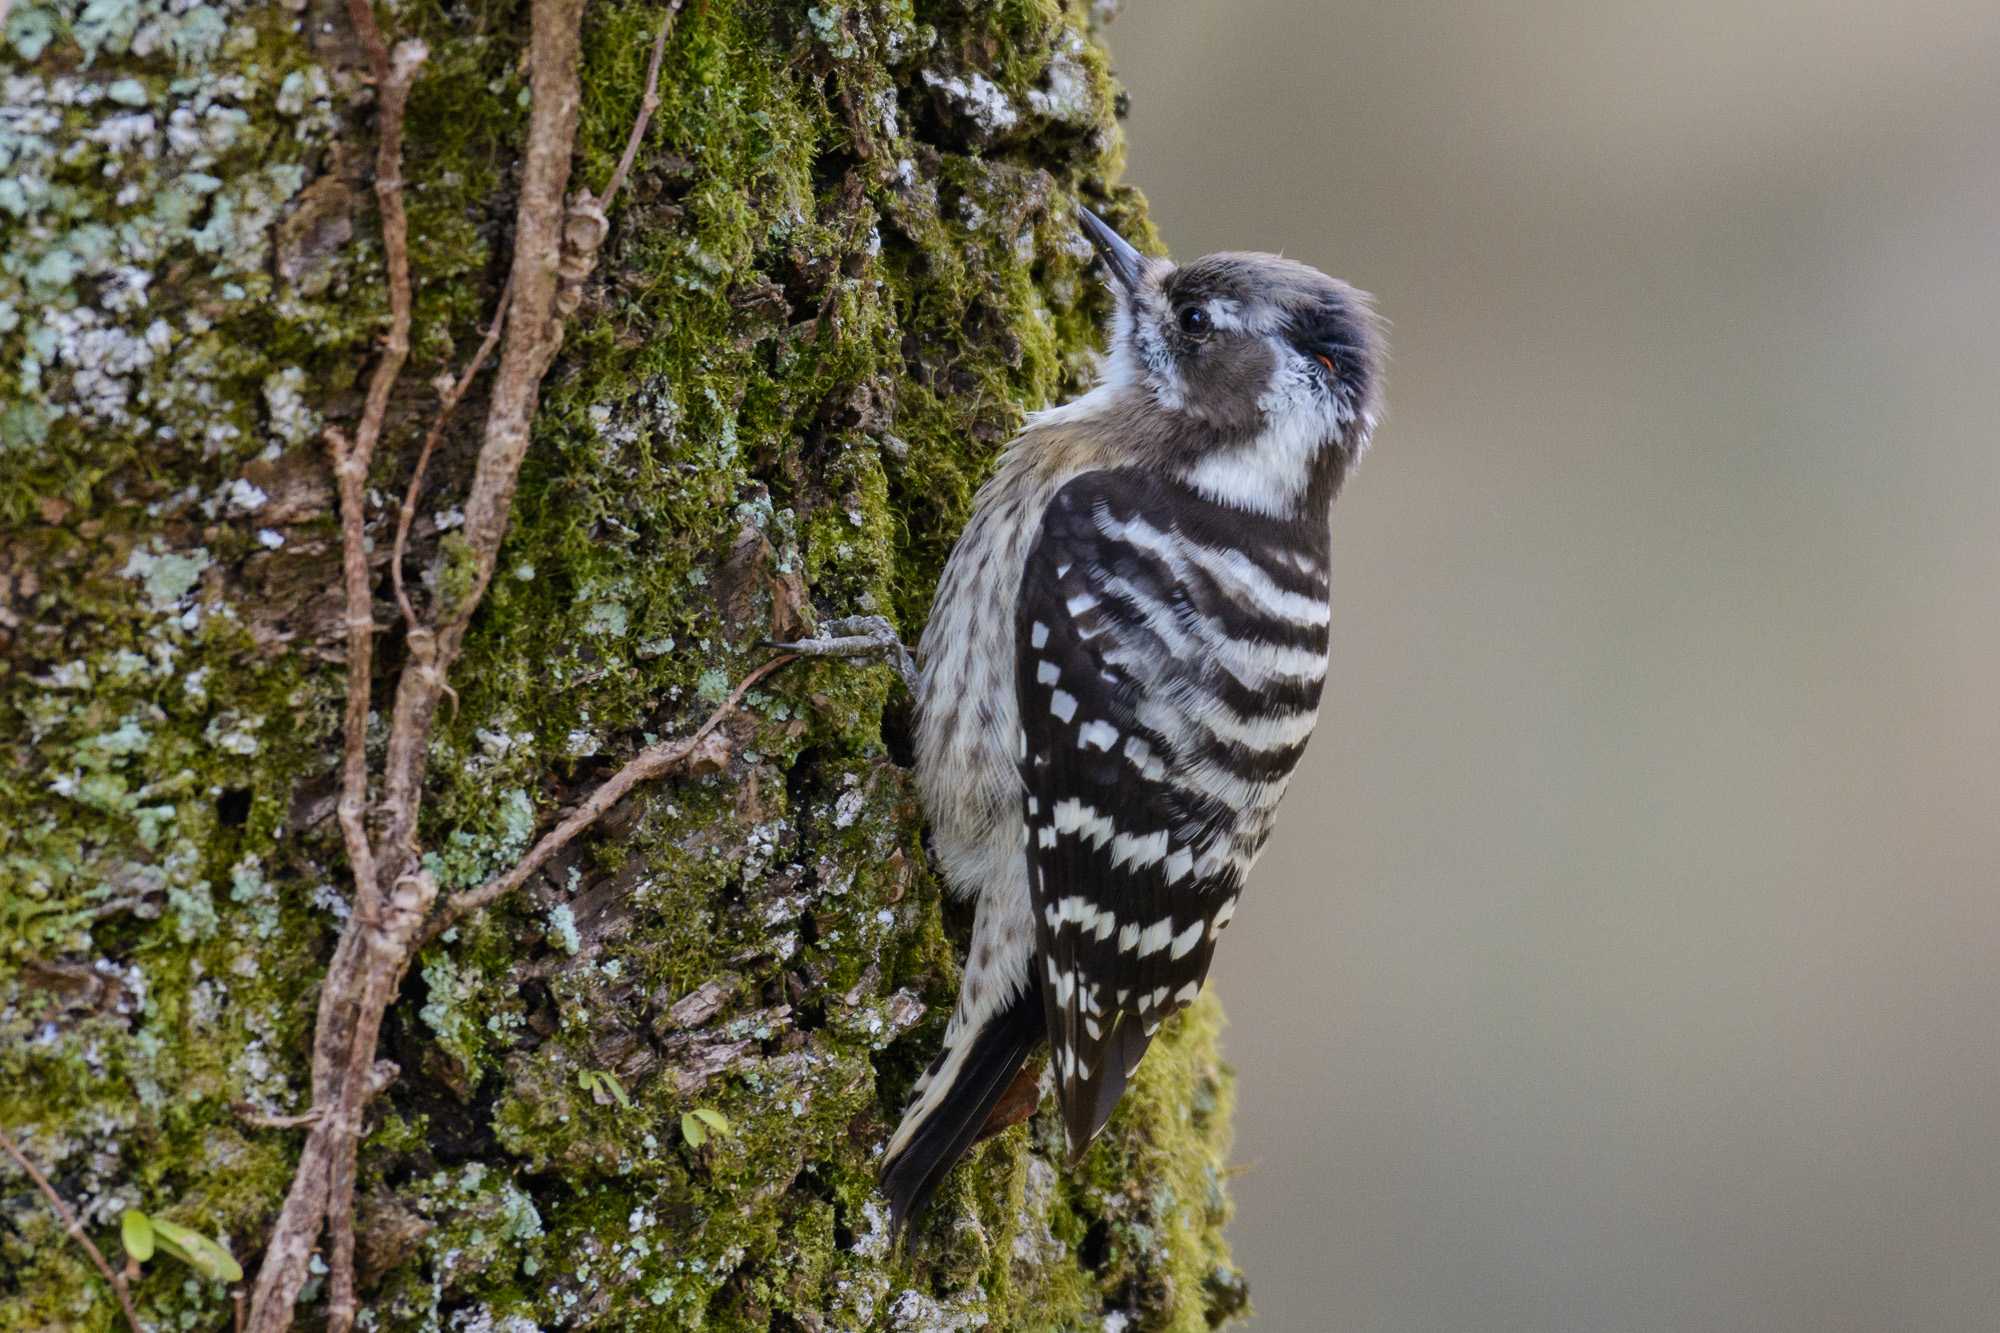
(843, 267)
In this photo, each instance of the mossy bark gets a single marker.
(843, 269)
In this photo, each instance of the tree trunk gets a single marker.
(646, 1089)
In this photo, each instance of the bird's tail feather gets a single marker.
(952, 1103)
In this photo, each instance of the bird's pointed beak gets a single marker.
(1125, 263)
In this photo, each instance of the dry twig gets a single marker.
(532, 337)
(652, 762)
(67, 1216)
(256, 1119)
(393, 75)
(407, 514)
(334, 1096)
(648, 104)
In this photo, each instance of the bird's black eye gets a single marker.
(1194, 321)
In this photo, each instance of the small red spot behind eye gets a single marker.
(1326, 361)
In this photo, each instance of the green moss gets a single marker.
(843, 269)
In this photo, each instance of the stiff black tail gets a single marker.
(953, 1100)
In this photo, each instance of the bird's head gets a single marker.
(1262, 362)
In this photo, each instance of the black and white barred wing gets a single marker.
(1170, 662)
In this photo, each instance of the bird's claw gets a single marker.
(857, 636)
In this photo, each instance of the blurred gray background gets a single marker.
(1628, 956)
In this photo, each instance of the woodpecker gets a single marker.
(1122, 666)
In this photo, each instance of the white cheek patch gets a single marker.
(1269, 473)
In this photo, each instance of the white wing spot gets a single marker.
(1139, 851)
(1178, 864)
(1047, 672)
(1073, 816)
(1141, 755)
(1080, 603)
(1038, 637)
(1098, 733)
(1156, 937)
(1186, 994)
(1063, 704)
(1185, 941)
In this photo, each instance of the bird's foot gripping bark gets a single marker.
(858, 636)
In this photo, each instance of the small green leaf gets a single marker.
(197, 1251)
(692, 1131)
(136, 1230)
(714, 1119)
(603, 1086)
